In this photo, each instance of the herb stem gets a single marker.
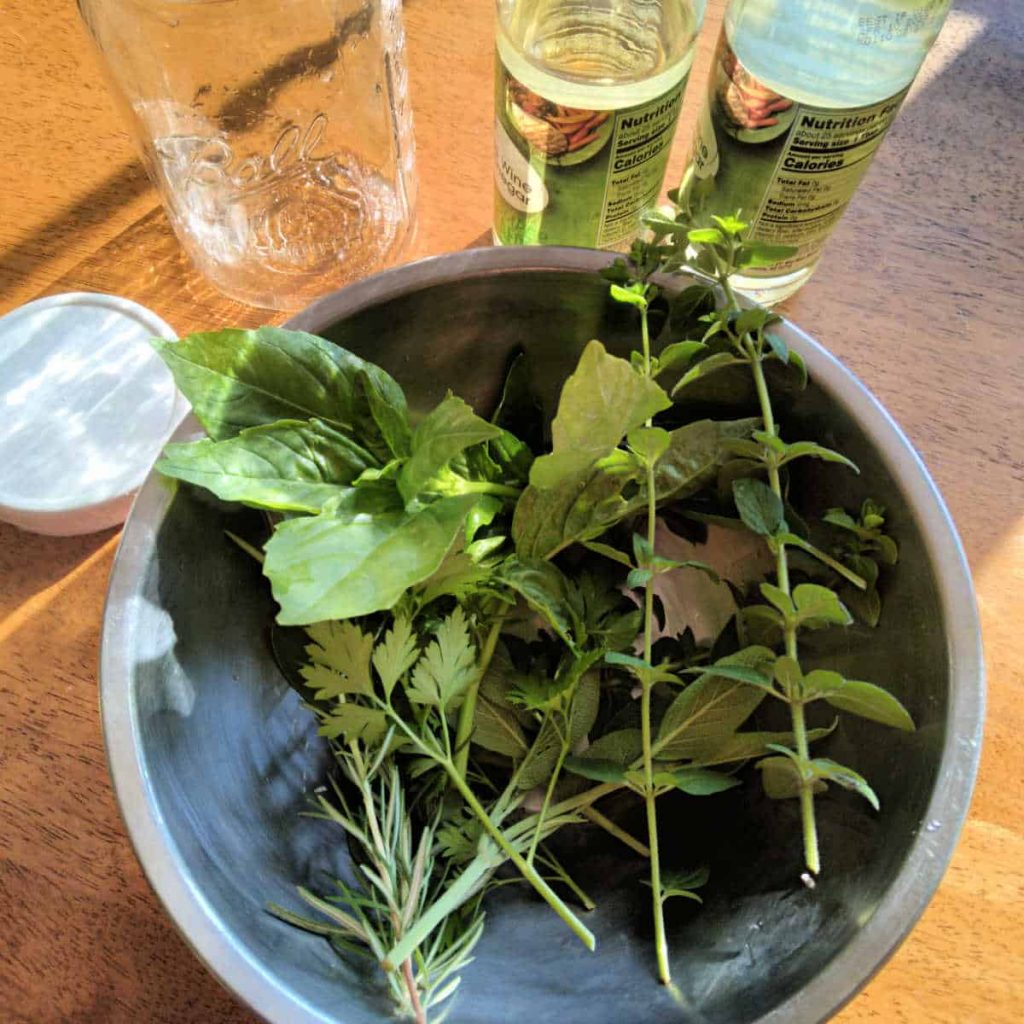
(810, 828)
(549, 861)
(528, 871)
(612, 829)
(548, 793)
(467, 713)
(650, 797)
(419, 1015)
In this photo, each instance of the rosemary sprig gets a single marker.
(401, 879)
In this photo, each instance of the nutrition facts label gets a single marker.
(639, 152)
(822, 160)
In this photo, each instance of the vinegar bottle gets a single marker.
(801, 96)
(587, 98)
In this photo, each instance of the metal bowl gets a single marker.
(212, 756)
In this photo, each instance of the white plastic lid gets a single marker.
(86, 404)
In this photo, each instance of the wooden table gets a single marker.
(920, 293)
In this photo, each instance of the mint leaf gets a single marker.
(759, 506)
(817, 607)
(831, 771)
(859, 698)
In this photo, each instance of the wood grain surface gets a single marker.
(920, 292)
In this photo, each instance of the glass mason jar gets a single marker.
(278, 134)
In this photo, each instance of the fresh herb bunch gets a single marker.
(488, 651)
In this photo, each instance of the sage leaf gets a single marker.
(447, 431)
(623, 747)
(235, 379)
(602, 400)
(759, 506)
(496, 728)
(710, 710)
(347, 562)
(291, 465)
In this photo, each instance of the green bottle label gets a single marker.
(791, 169)
(569, 176)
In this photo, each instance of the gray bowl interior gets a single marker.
(213, 756)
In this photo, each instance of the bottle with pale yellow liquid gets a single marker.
(587, 98)
(802, 94)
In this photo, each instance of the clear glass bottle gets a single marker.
(587, 98)
(802, 94)
(277, 134)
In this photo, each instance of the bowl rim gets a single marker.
(929, 855)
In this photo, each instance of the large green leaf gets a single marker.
(496, 728)
(239, 378)
(447, 431)
(602, 400)
(358, 556)
(588, 503)
(710, 710)
(290, 465)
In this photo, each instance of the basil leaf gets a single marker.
(447, 431)
(237, 378)
(358, 557)
(602, 400)
(290, 465)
